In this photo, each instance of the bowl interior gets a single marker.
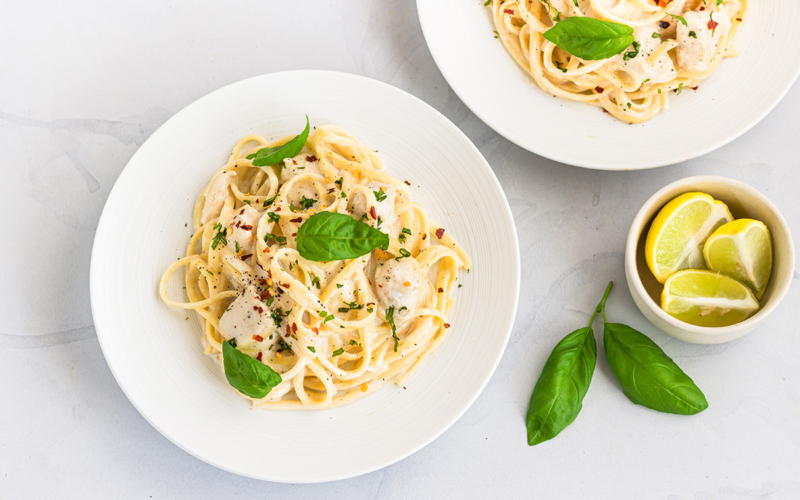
(743, 202)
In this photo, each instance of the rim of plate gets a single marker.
(581, 154)
(99, 282)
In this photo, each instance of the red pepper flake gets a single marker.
(407, 182)
(285, 285)
(294, 327)
(266, 250)
(258, 338)
(440, 233)
(440, 290)
(265, 295)
(262, 281)
(606, 111)
(247, 227)
(258, 309)
(509, 11)
(315, 330)
(311, 158)
(246, 256)
(424, 236)
(373, 213)
(599, 89)
(259, 355)
(695, 88)
(447, 325)
(238, 223)
(712, 24)
(288, 331)
(297, 220)
(294, 234)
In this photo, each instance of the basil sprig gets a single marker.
(327, 236)
(647, 376)
(271, 156)
(558, 396)
(247, 375)
(590, 39)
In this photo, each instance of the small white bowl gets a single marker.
(743, 201)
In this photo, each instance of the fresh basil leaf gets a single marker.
(679, 18)
(590, 39)
(271, 156)
(247, 375)
(647, 375)
(558, 395)
(327, 236)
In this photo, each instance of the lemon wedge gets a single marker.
(679, 231)
(705, 298)
(741, 249)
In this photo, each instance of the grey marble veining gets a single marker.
(83, 86)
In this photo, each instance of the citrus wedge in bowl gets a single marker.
(741, 249)
(679, 231)
(705, 298)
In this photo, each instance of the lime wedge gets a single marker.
(742, 249)
(679, 231)
(705, 298)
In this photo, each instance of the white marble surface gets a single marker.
(82, 86)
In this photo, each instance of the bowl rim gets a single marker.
(632, 270)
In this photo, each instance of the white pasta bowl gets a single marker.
(743, 201)
(155, 352)
(742, 91)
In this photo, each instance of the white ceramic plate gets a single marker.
(742, 91)
(155, 353)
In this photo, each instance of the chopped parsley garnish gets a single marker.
(390, 320)
(632, 53)
(286, 347)
(311, 349)
(278, 315)
(353, 342)
(337, 352)
(307, 203)
(351, 306)
(280, 239)
(220, 236)
(339, 181)
(315, 281)
(273, 217)
(269, 201)
(403, 254)
(379, 195)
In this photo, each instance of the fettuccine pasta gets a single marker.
(678, 44)
(333, 331)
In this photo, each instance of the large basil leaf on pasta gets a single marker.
(589, 38)
(271, 156)
(327, 236)
(647, 375)
(247, 375)
(558, 396)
